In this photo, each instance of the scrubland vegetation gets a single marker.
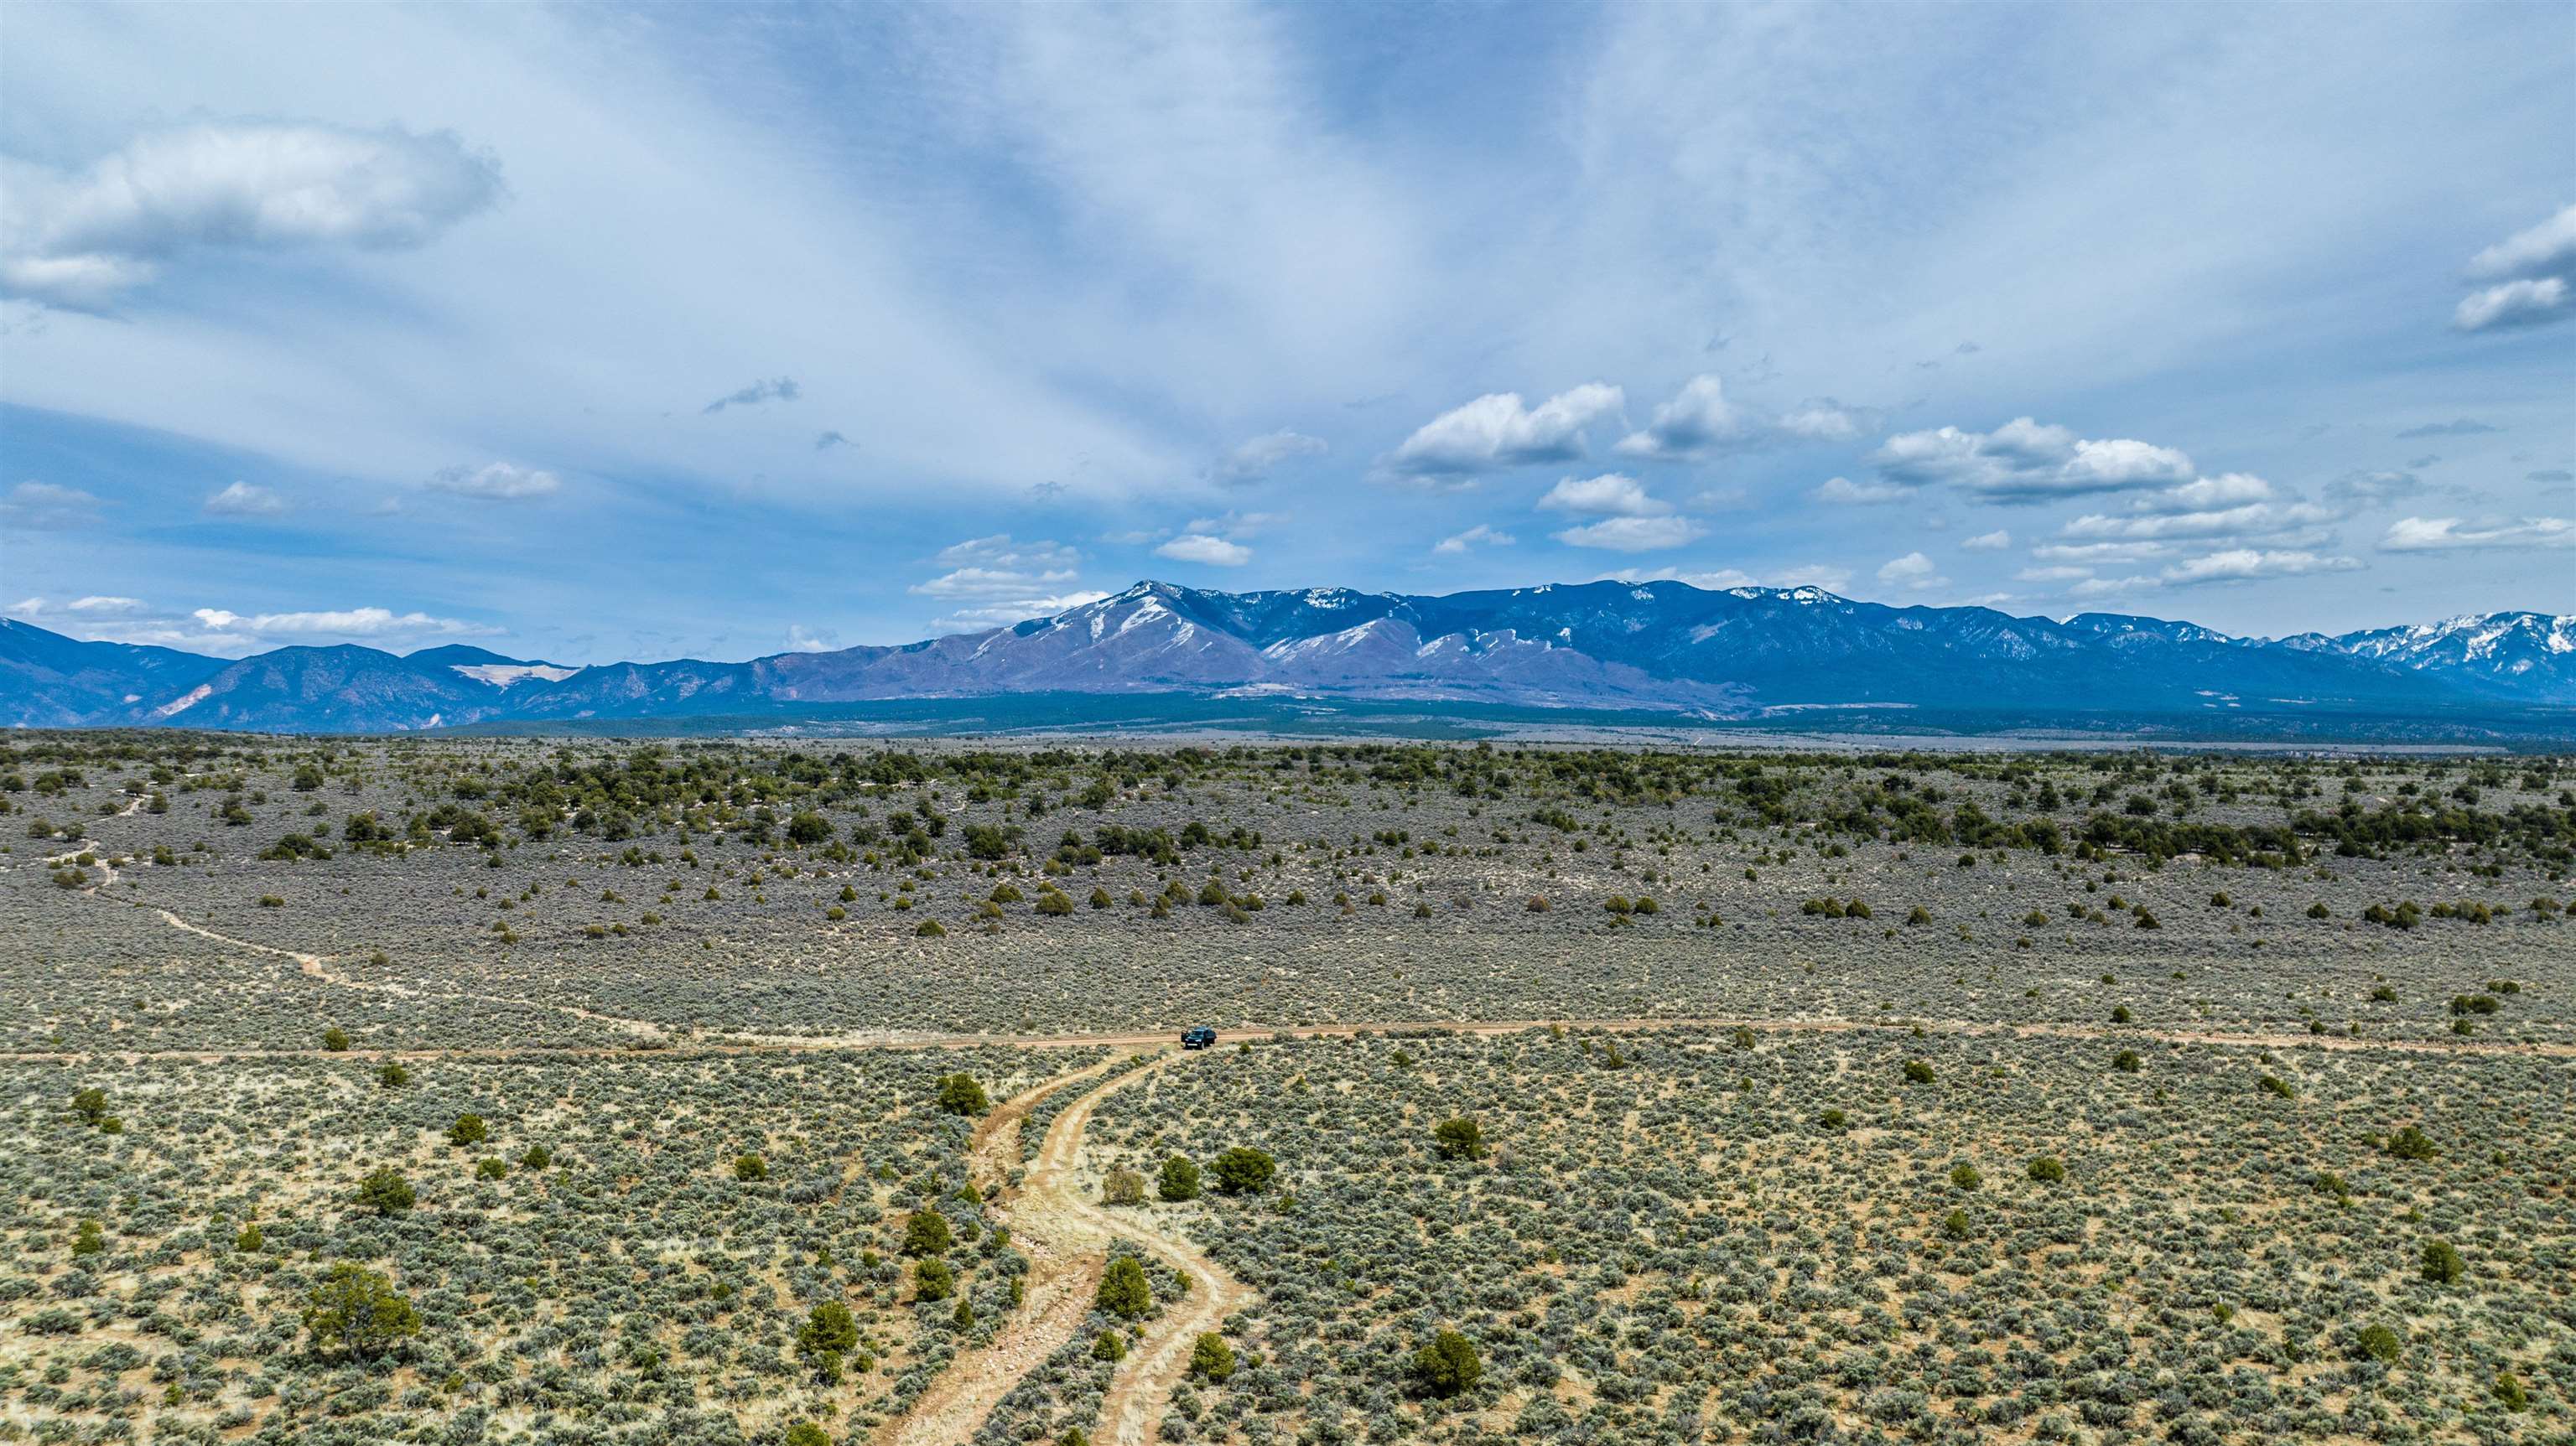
(1684, 1236)
(502, 1090)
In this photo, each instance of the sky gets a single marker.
(598, 333)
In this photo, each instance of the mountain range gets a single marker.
(1657, 647)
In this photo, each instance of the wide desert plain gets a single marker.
(502, 1090)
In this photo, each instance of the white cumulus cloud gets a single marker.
(2533, 274)
(1911, 573)
(1702, 420)
(2028, 461)
(1496, 431)
(1695, 422)
(1205, 548)
(83, 241)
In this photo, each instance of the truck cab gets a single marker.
(1198, 1036)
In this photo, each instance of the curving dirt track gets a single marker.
(1060, 1284)
(1066, 1238)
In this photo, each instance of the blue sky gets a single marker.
(596, 333)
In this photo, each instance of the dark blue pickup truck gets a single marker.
(1198, 1037)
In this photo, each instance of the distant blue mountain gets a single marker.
(1658, 646)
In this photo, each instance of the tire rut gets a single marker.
(1067, 1239)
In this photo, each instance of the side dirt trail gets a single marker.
(317, 967)
(1066, 1238)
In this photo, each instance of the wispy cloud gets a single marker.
(1479, 535)
(2450, 534)
(2462, 427)
(1254, 460)
(777, 389)
(242, 499)
(46, 507)
(1634, 534)
(998, 580)
(496, 482)
(1610, 494)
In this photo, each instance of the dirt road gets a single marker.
(1060, 1284)
(1067, 1237)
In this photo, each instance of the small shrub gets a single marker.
(926, 1233)
(1244, 1170)
(1211, 1359)
(2410, 1143)
(1459, 1139)
(359, 1311)
(1447, 1365)
(385, 1192)
(962, 1094)
(2511, 1393)
(1124, 1291)
(933, 1280)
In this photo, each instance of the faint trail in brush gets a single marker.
(656, 1035)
